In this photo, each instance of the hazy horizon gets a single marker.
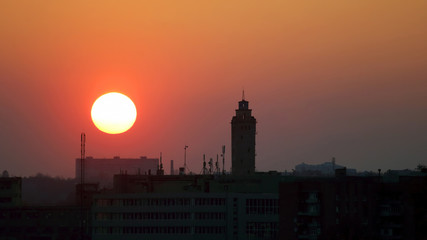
(323, 79)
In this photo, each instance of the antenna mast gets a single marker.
(160, 170)
(82, 173)
(185, 158)
(223, 159)
(210, 165)
(82, 156)
(204, 170)
(217, 170)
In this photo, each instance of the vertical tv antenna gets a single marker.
(210, 165)
(160, 170)
(82, 173)
(217, 170)
(204, 170)
(223, 159)
(185, 158)
(82, 156)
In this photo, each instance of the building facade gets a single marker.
(41, 222)
(353, 208)
(188, 207)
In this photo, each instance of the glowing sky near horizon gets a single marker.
(344, 79)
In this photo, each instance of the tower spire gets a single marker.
(243, 94)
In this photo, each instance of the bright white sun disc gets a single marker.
(113, 113)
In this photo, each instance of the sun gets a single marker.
(113, 113)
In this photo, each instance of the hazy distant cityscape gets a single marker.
(45, 190)
(212, 120)
(134, 198)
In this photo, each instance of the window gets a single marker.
(262, 206)
(262, 230)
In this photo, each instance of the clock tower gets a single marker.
(243, 130)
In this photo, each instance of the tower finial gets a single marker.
(243, 94)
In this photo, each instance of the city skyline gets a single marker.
(331, 79)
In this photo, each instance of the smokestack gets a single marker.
(172, 170)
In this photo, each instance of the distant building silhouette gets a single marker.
(243, 131)
(5, 174)
(10, 191)
(326, 168)
(102, 170)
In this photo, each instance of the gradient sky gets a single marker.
(324, 78)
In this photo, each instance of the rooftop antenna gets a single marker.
(204, 170)
(210, 165)
(160, 170)
(185, 157)
(217, 170)
(243, 94)
(82, 156)
(223, 159)
(82, 172)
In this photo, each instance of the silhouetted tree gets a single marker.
(422, 168)
(46, 190)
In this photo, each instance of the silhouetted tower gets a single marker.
(243, 130)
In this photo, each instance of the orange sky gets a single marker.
(324, 78)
